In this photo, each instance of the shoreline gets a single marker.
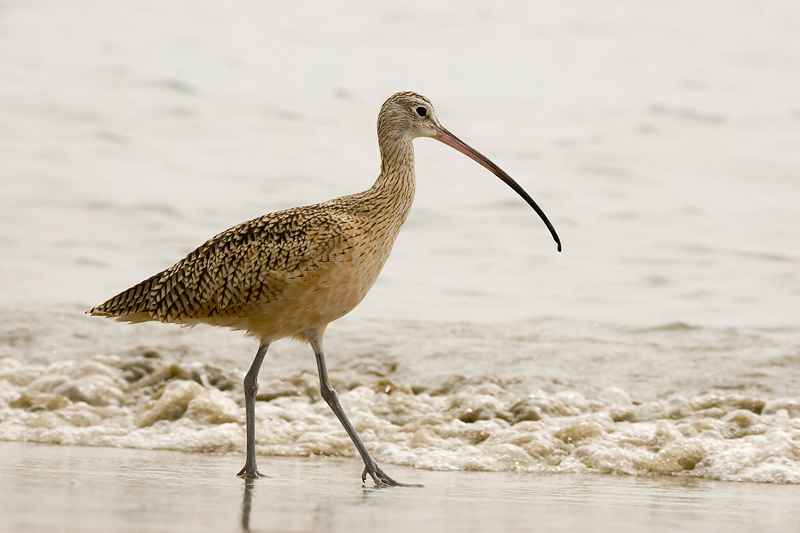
(60, 488)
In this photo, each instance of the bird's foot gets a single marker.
(381, 479)
(250, 473)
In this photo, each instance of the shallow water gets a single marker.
(133, 490)
(663, 143)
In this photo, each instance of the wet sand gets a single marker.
(59, 488)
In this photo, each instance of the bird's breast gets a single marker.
(354, 271)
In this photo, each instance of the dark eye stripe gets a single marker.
(421, 111)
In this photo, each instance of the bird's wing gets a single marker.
(248, 264)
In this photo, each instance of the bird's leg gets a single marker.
(380, 478)
(250, 388)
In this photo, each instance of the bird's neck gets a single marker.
(395, 185)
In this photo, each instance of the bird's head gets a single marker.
(408, 115)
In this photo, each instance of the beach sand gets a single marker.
(60, 489)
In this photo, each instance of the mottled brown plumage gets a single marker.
(291, 273)
(240, 275)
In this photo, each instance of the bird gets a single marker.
(291, 273)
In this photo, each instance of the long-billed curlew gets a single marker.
(291, 273)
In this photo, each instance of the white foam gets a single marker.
(482, 426)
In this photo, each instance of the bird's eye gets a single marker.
(421, 111)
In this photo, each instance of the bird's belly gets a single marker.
(316, 300)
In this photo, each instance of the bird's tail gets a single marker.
(131, 304)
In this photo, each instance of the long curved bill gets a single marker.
(451, 140)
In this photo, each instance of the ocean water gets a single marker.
(662, 141)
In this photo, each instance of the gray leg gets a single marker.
(250, 388)
(329, 395)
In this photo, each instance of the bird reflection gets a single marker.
(247, 501)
